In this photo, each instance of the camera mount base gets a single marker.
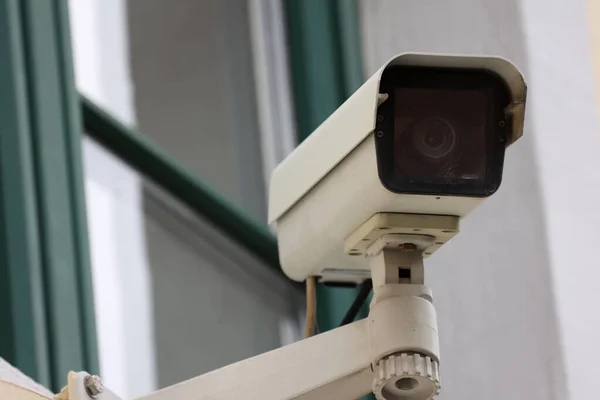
(403, 337)
(428, 232)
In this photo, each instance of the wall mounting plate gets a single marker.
(440, 227)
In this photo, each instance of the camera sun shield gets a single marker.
(441, 131)
(425, 135)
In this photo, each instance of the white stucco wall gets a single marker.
(515, 291)
(563, 113)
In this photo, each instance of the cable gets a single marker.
(361, 297)
(311, 307)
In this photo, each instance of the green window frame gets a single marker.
(154, 164)
(46, 301)
(47, 322)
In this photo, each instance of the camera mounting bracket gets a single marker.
(394, 352)
(425, 232)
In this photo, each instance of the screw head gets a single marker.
(93, 385)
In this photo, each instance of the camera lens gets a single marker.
(441, 131)
(434, 137)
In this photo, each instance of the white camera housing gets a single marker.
(329, 187)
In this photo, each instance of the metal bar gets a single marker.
(12, 391)
(139, 153)
(333, 365)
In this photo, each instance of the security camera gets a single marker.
(412, 151)
(386, 178)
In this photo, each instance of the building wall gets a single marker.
(511, 290)
(566, 133)
(492, 283)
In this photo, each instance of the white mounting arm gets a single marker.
(394, 352)
(332, 365)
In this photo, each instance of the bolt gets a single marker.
(379, 134)
(93, 385)
(501, 123)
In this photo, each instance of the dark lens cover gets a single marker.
(441, 132)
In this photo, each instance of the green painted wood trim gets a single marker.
(23, 330)
(49, 139)
(142, 155)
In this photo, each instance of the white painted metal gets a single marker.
(354, 120)
(406, 376)
(405, 311)
(12, 391)
(397, 342)
(75, 389)
(331, 365)
(329, 186)
(312, 235)
(10, 374)
(401, 309)
(438, 228)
